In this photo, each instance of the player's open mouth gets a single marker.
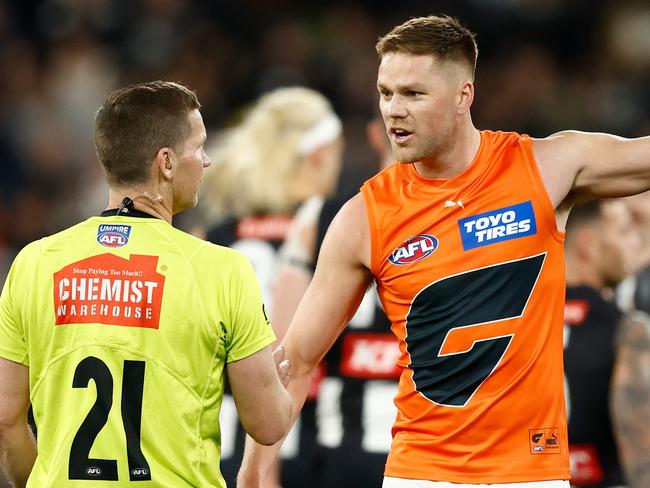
(400, 136)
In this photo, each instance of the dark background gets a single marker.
(544, 65)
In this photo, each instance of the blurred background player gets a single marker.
(634, 292)
(602, 247)
(286, 149)
(354, 411)
(630, 390)
(630, 397)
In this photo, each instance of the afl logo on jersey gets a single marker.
(414, 249)
(113, 235)
(140, 473)
(93, 471)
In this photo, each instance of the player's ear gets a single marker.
(465, 96)
(164, 161)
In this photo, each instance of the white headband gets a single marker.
(325, 131)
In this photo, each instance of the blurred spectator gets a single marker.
(582, 63)
(60, 57)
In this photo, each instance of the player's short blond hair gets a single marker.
(437, 35)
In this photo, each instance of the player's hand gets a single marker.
(282, 365)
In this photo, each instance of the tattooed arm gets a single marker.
(630, 398)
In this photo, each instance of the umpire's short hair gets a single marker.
(135, 122)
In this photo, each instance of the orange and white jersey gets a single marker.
(470, 271)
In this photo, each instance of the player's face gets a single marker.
(191, 162)
(619, 243)
(418, 99)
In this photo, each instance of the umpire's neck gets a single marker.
(152, 202)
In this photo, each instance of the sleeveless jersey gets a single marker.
(259, 238)
(126, 324)
(470, 272)
(590, 330)
(355, 409)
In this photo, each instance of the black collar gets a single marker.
(126, 212)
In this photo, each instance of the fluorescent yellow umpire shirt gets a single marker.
(126, 324)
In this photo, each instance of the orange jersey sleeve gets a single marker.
(470, 272)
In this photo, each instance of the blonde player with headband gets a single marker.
(286, 151)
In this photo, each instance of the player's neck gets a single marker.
(455, 158)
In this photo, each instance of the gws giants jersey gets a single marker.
(126, 324)
(470, 272)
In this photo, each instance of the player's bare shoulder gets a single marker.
(557, 158)
(349, 232)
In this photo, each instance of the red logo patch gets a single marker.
(585, 466)
(370, 356)
(111, 290)
(273, 228)
(575, 311)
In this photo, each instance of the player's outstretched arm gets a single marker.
(630, 398)
(338, 285)
(17, 445)
(582, 165)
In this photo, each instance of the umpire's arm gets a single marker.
(333, 296)
(17, 444)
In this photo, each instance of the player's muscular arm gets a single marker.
(331, 299)
(333, 296)
(630, 394)
(17, 445)
(579, 165)
(263, 403)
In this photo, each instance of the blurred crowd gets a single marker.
(543, 65)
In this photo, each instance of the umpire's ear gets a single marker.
(164, 162)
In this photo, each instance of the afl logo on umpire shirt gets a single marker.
(414, 249)
(113, 235)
